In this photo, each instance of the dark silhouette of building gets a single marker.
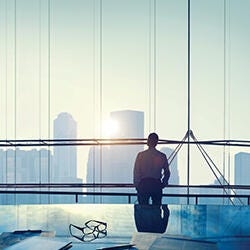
(65, 157)
(24, 166)
(114, 164)
(242, 172)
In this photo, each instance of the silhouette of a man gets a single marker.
(151, 173)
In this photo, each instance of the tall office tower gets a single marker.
(119, 161)
(174, 177)
(242, 172)
(65, 157)
(64, 169)
(130, 123)
(114, 164)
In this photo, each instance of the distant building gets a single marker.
(114, 164)
(24, 166)
(40, 166)
(65, 157)
(242, 172)
(130, 123)
(242, 169)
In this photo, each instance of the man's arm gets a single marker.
(137, 171)
(166, 173)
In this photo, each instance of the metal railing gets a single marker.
(49, 189)
(226, 191)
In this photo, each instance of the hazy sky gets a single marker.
(72, 62)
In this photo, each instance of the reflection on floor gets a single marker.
(155, 228)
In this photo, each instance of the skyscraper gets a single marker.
(242, 171)
(65, 157)
(120, 159)
(114, 164)
(130, 123)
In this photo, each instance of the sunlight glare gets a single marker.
(110, 128)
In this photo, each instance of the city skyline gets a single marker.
(82, 168)
(115, 165)
(128, 55)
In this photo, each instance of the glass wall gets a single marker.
(89, 69)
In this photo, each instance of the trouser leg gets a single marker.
(143, 198)
(157, 196)
(149, 187)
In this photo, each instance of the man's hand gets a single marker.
(164, 185)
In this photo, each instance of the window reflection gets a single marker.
(151, 218)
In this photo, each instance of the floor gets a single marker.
(99, 226)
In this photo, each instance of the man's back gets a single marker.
(150, 163)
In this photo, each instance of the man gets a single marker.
(151, 173)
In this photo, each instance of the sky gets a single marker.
(67, 57)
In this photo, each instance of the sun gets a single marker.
(110, 128)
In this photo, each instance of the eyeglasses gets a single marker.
(92, 230)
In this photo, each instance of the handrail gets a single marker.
(111, 185)
(11, 188)
(114, 141)
(125, 194)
